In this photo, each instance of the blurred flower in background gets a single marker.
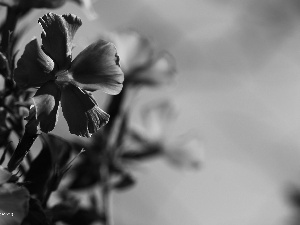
(141, 62)
(152, 138)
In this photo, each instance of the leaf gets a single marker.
(39, 173)
(48, 164)
(60, 152)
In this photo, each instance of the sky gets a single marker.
(237, 88)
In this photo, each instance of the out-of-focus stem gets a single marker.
(106, 194)
(10, 25)
(114, 108)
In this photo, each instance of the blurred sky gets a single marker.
(238, 88)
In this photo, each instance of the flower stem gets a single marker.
(106, 194)
(22, 150)
(114, 108)
(9, 27)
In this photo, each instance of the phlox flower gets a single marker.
(141, 63)
(59, 79)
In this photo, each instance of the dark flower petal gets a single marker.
(46, 101)
(81, 111)
(57, 37)
(96, 119)
(97, 68)
(14, 203)
(34, 66)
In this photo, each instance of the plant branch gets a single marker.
(9, 26)
(106, 193)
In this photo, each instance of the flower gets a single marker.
(140, 63)
(50, 67)
(183, 151)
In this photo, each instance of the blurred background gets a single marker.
(237, 89)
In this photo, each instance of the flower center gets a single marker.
(63, 77)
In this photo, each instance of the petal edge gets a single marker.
(46, 101)
(34, 66)
(97, 68)
(81, 111)
(57, 37)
